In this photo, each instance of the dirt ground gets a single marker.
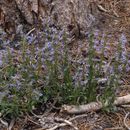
(117, 120)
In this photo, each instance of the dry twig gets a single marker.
(125, 121)
(11, 124)
(4, 122)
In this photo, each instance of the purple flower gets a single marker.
(30, 38)
(120, 68)
(105, 53)
(102, 39)
(127, 68)
(111, 70)
(123, 57)
(49, 45)
(96, 42)
(123, 41)
(96, 33)
(1, 62)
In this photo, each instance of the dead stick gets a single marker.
(93, 106)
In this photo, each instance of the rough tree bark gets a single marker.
(68, 13)
(74, 15)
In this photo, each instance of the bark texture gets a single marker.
(74, 15)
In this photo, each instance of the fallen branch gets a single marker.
(93, 106)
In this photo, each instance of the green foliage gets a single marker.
(28, 80)
(92, 84)
(20, 82)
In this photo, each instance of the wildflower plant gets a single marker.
(117, 65)
(45, 73)
(19, 79)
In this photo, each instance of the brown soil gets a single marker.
(114, 25)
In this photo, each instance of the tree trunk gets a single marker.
(70, 14)
(67, 13)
